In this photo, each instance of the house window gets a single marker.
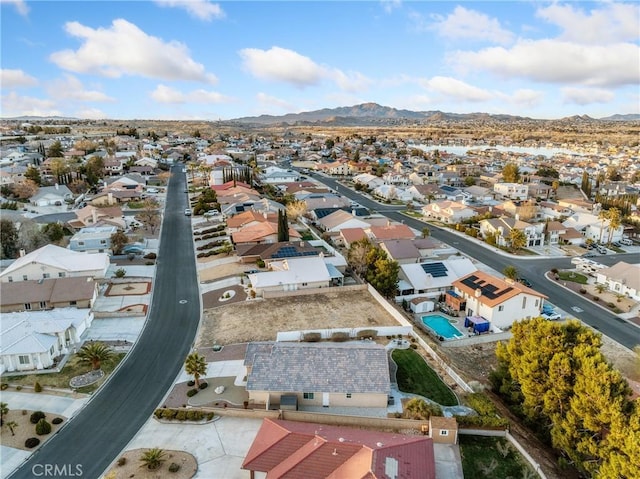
(10, 279)
(536, 303)
(444, 432)
(80, 243)
(27, 306)
(501, 308)
(103, 241)
(51, 351)
(348, 395)
(24, 277)
(62, 275)
(307, 395)
(72, 303)
(43, 305)
(304, 284)
(24, 359)
(524, 302)
(46, 275)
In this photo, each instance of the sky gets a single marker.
(196, 59)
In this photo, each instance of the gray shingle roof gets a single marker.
(360, 367)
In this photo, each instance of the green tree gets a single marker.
(384, 276)
(511, 173)
(94, 169)
(283, 226)
(4, 410)
(149, 216)
(54, 231)
(510, 272)
(196, 366)
(585, 185)
(517, 239)
(153, 458)
(420, 409)
(9, 239)
(118, 241)
(33, 174)
(95, 353)
(615, 220)
(469, 181)
(426, 232)
(11, 425)
(55, 150)
(357, 255)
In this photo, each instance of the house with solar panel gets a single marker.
(431, 279)
(499, 301)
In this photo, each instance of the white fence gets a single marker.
(352, 332)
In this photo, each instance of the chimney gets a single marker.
(22, 252)
(94, 214)
(110, 198)
(57, 186)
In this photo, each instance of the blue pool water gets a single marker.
(442, 327)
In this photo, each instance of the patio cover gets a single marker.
(479, 324)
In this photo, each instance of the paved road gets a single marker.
(533, 269)
(102, 429)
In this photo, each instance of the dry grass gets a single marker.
(261, 320)
(25, 429)
(131, 467)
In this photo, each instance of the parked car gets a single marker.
(626, 241)
(589, 255)
(525, 282)
(551, 317)
(152, 190)
(132, 248)
(187, 212)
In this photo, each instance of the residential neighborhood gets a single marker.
(341, 301)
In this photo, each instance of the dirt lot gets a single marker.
(260, 320)
(24, 429)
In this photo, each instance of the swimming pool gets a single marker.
(442, 327)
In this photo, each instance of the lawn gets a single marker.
(61, 380)
(572, 276)
(415, 376)
(491, 457)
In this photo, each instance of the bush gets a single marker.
(193, 415)
(339, 336)
(367, 333)
(18, 388)
(37, 387)
(31, 442)
(192, 392)
(611, 305)
(4, 386)
(181, 415)
(57, 420)
(414, 346)
(122, 461)
(311, 337)
(36, 416)
(596, 298)
(482, 421)
(210, 416)
(204, 385)
(173, 467)
(191, 383)
(554, 270)
(43, 427)
(169, 414)
(583, 291)
(150, 256)
(481, 404)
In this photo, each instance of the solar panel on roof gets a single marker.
(436, 270)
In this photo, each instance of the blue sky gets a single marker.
(195, 59)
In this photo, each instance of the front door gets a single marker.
(325, 399)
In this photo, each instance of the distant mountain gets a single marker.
(40, 118)
(629, 117)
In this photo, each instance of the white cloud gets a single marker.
(16, 79)
(202, 9)
(615, 22)
(463, 23)
(90, 114)
(272, 103)
(586, 96)
(20, 5)
(165, 94)
(556, 61)
(390, 5)
(70, 88)
(352, 81)
(457, 89)
(526, 97)
(16, 105)
(281, 64)
(124, 49)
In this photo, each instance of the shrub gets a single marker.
(611, 305)
(18, 388)
(414, 346)
(554, 270)
(367, 333)
(36, 416)
(339, 336)
(31, 442)
(150, 256)
(43, 427)
(192, 392)
(482, 404)
(173, 467)
(169, 413)
(181, 415)
(210, 416)
(4, 386)
(57, 420)
(482, 421)
(149, 263)
(122, 461)
(37, 387)
(596, 298)
(583, 291)
(204, 385)
(311, 337)
(191, 383)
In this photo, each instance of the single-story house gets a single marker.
(44, 294)
(621, 278)
(292, 274)
(93, 239)
(318, 374)
(51, 196)
(431, 279)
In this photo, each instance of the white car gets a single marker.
(187, 212)
(551, 316)
(152, 190)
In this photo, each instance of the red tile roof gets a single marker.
(297, 450)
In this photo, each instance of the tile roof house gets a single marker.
(401, 250)
(52, 261)
(34, 339)
(500, 301)
(93, 216)
(51, 195)
(315, 451)
(264, 232)
(294, 273)
(390, 231)
(351, 235)
(501, 228)
(450, 212)
(621, 278)
(432, 278)
(318, 374)
(340, 219)
(52, 293)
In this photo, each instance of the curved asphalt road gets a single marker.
(103, 428)
(532, 268)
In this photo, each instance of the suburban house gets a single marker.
(501, 229)
(51, 196)
(292, 274)
(348, 236)
(318, 374)
(390, 231)
(432, 279)
(250, 253)
(273, 175)
(92, 216)
(621, 278)
(593, 228)
(450, 212)
(34, 339)
(554, 211)
(249, 218)
(314, 201)
(368, 180)
(93, 239)
(44, 294)
(499, 301)
(340, 219)
(52, 261)
(522, 210)
(264, 232)
(316, 451)
(513, 191)
(401, 250)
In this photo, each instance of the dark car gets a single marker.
(132, 248)
(525, 282)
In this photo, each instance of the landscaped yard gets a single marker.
(61, 380)
(491, 457)
(415, 376)
(572, 276)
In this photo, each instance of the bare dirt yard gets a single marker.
(125, 289)
(261, 320)
(129, 463)
(23, 429)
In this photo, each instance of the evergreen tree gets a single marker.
(283, 226)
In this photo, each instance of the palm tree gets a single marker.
(602, 216)
(95, 353)
(517, 238)
(601, 287)
(425, 232)
(152, 458)
(4, 410)
(11, 425)
(195, 366)
(510, 272)
(615, 221)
